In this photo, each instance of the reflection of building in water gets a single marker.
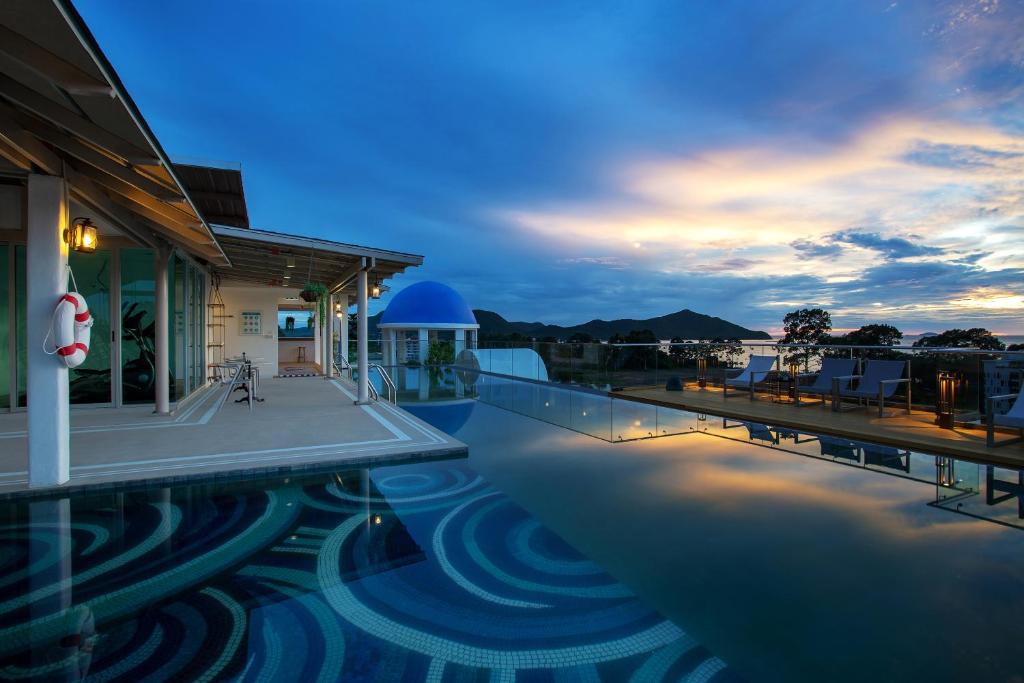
(443, 397)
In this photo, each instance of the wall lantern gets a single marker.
(948, 383)
(375, 290)
(290, 262)
(81, 236)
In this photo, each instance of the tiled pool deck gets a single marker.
(303, 423)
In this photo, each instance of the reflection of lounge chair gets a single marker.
(755, 430)
(878, 383)
(822, 384)
(755, 373)
(886, 456)
(839, 448)
(760, 432)
(1012, 418)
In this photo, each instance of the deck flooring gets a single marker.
(302, 423)
(916, 431)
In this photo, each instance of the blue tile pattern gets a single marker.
(414, 573)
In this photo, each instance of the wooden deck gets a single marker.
(916, 431)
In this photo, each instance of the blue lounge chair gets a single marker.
(822, 384)
(755, 373)
(879, 382)
(1012, 418)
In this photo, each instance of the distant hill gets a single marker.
(686, 324)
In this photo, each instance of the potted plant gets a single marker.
(313, 291)
(316, 292)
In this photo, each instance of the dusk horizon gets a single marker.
(565, 163)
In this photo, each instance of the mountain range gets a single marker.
(685, 324)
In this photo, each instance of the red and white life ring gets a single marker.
(72, 326)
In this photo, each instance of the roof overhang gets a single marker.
(65, 112)
(262, 257)
(218, 193)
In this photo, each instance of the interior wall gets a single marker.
(261, 348)
(288, 351)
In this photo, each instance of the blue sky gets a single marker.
(561, 161)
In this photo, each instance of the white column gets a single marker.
(392, 347)
(329, 337)
(344, 325)
(318, 338)
(161, 344)
(46, 264)
(460, 341)
(362, 348)
(423, 342)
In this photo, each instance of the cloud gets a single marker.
(891, 247)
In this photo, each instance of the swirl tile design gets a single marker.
(414, 573)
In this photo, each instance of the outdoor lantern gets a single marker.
(290, 262)
(702, 372)
(947, 383)
(794, 377)
(375, 290)
(81, 236)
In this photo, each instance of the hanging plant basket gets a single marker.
(312, 292)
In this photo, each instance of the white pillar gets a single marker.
(329, 337)
(161, 255)
(362, 348)
(345, 303)
(46, 264)
(423, 342)
(392, 347)
(460, 342)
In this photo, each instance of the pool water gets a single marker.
(728, 551)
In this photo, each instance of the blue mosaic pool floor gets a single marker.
(412, 573)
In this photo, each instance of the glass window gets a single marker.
(137, 326)
(90, 382)
(5, 328)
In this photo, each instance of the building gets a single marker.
(175, 278)
(425, 314)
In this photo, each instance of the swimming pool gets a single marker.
(547, 555)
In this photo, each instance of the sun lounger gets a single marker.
(755, 373)
(1013, 418)
(822, 384)
(879, 382)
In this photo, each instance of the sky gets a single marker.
(563, 161)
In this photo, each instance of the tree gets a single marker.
(976, 337)
(581, 338)
(873, 335)
(868, 335)
(805, 326)
(1015, 347)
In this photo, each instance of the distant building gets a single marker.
(1004, 375)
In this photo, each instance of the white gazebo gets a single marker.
(425, 313)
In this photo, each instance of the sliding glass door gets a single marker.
(91, 382)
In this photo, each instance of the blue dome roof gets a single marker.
(428, 303)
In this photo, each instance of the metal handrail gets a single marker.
(344, 364)
(388, 383)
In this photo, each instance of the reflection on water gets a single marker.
(417, 572)
(792, 556)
